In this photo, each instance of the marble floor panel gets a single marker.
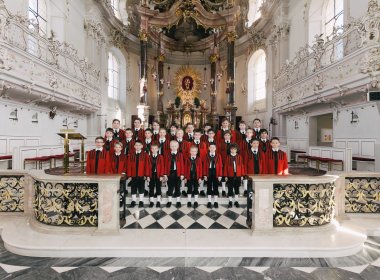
(186, 218)
(364, 265)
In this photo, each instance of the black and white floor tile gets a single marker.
(186, 218)
(363, 266)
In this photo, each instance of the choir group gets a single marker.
(185, 160)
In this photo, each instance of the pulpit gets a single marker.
(67, 135)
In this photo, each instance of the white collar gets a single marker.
(99, 149)
(263, 140)
(275, 150)
(162, 139)
(228, 141)
(146, 141)
(137, 153)
(212, 155)
(197, 141)
(117, 130)
(109, 139)
(155, 132)
(193, 158)
(225, 129)
(213, 140)
(179, 139)
(137, 129)
(255, 150)
(118, 154)
(175, 153)
(233, 155)
(154, 155)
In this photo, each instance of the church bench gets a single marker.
(38, 161)
(60, 156)
(7, 158)
(294, 154)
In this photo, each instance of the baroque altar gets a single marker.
(187, 107)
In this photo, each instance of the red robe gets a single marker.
(218, 165)
(160, 166)
(219, 137)
(198, 167)
(155, 136)
(118, 137)
(256, 134)
(102, 162)
(129, 147)
(204, 137)
(265, 147)
(207, 142)
(282, 168)
(202, 148)
(250, 162)
(187, 137)
(143, 166)
(139, 135)
(109, 146)
(240, 137)
(223, 150)
(184, 147)
(165, 147)
(147, 147)
(179, 163)
(244, 147)
(228, 169)
(122, 164)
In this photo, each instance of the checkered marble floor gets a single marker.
(186, 218)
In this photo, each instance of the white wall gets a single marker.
(46, 128)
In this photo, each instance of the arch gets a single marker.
(257, 77)
(115, 5)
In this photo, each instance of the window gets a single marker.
(254, 12)
(113, 77)
(38, 12)
(259, 75)
(115, 7)
(334, 19)
(334, 15)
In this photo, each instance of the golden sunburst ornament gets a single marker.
(188, 84)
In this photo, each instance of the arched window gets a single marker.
(37, 12)
(254, 12)
(257, 76)
(115, 7)
(113, 76)
(333, 15)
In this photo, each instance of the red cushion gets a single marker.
(5, 157)
(363, 159)
(297, 151)
(303, 156)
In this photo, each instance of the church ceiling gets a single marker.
(187, 24)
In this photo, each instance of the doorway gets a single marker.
(321, 130)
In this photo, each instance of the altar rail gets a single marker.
(344, 154)
(278, 201)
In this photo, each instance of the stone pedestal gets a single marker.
(108, 205)
(263, 206)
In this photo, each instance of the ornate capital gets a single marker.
(143, 35)
(231, 36)
(213, 58)
(95, 30)
(161, 58)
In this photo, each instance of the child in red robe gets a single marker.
(234, 170)
(277, 161)
(194, 174)
(174, 173)
(213, 172)
(155, 175)
(109, 141)
(138, 133)
(97, 159)
(137, 170)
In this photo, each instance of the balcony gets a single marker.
(40, 70)
(342, 64)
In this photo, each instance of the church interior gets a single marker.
(190, 139)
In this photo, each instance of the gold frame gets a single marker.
(187, 96)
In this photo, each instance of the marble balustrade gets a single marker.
(278, 201)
